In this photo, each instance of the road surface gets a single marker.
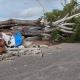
(60, 62)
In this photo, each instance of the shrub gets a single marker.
(56, 35)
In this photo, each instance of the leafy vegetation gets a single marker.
(54, 15)
(56, 35)
(57, 14)
(76, 36)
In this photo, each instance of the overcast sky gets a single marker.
(26, 9)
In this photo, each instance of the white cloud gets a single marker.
(30, 12)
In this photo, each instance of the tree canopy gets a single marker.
(68, 10)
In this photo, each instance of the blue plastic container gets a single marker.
(18, 39)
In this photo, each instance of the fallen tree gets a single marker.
(63, 25)
(16, 22)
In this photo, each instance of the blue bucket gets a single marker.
(18, 39)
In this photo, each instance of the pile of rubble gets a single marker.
(14, 44)
(13, 35)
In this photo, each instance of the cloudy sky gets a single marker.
(26, 9)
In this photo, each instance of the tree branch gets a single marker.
(68, 24)
(65, 31)
(64, 19)
(64, 27)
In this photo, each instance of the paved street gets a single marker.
(60, 62)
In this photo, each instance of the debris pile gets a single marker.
(13, 44)
(14, 37)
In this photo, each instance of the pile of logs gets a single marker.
(16, 22)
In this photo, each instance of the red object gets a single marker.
(2, 47)
(1, 42)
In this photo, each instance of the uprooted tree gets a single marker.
(66, 21)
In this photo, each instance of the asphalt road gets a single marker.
(60, 62)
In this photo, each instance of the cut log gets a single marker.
(16, 22)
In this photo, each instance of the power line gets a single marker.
(41, 5)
